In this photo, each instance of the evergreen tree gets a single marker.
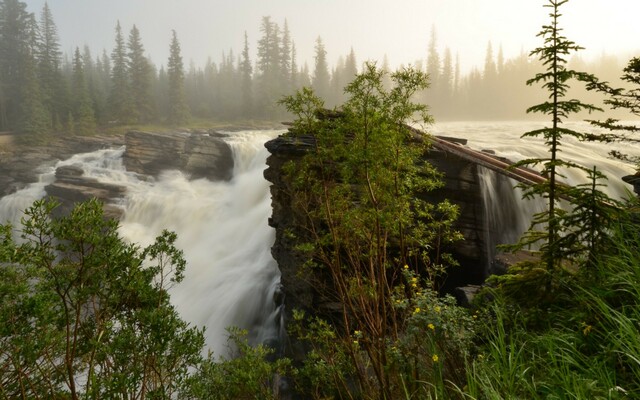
(49, 74)
(558, 224)
(83, 115)
(245, 76)
(321, 77)
(268, 66)
(285, 59)
(294, 67)
(140, 78)
(119, 102)
(621, 98)
(20, 99)
(178, 110)
(433, 61)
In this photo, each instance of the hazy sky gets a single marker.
(398, 28)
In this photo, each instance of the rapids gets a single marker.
(222, 226)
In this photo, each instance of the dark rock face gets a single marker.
(20, 165)
(199, 154)
(72, 187)
(302, 290)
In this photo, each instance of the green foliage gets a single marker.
(584, 345)
(249, 374)
(360, 197)
(85, 316)
(566, 236)
(620, 98)
(178, 112)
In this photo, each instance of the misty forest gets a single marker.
(262, 227)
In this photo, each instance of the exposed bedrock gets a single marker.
(303, 291)
(198, 154)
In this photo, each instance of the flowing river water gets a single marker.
(222, 226)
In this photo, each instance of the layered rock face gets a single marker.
(20, 164)
(462, 187)
(199, 154)
(71, 187)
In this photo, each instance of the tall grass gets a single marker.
(589, 347)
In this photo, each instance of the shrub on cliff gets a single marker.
(358, 197)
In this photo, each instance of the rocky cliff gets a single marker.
(21, 163)
(462, 187)
(201, 154)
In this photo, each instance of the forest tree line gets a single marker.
(43, 90)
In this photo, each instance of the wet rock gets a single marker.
(198, 154)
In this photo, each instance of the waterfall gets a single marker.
(231, 278)
(506, 214)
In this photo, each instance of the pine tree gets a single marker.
(285, 59)
(557, 223)
(139, 72)
(178, 110)
(321, 77)
(49, 74)
(268, 67)
(433, 61)
(627, 98)
(20, 98)
(83, 115)
(245, 76)
(119, 102)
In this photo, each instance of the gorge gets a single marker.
(209, 188)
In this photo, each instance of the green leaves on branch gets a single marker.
(565, 235)
(88, 317)
(360, 197)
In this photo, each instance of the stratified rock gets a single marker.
(20, 164)
(199, 154)
(71, 187)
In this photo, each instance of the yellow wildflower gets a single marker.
(435, 358)
(406, 266)
(430, 326)
(417, 310)
(437, 309)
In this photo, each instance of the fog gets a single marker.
(374, 28)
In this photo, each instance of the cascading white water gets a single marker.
(104, 165)
(507, 215)
(222, 227)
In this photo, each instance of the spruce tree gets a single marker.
(84, 118)
(321, 77)
(49, 73)
(621, 98)
(119, 101)
(19, 85)
(245, 76)
(558, 224)
(139, 72)
(178, 110)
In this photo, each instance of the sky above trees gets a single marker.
(374, 28)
